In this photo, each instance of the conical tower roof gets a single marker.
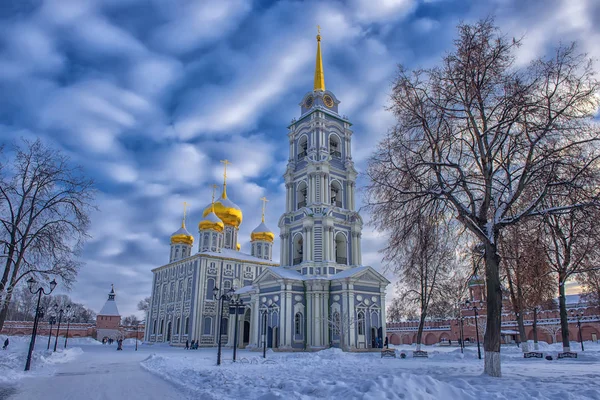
(110, 307)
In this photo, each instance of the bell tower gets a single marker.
(320, 229)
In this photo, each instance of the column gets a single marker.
(304, 244)
(351, 314)
(358, 249)
(289, 317)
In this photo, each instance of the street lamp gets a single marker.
(237, 307)
(137, 329)
(51, 321)
(39, 313)
(60, 314)
(69, 319)
(225, 296)
(459, 322)
(264, 312)
(578, 315)
(475, 309)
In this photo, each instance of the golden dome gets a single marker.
(182, 236)
(226, 210)
(211, 221)
(238, 246)
(262, 232)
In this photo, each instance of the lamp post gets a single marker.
(459, 322)
(264, 312)
(137, 329)
(475, 309)
(225, 296)
(237, 307)
(60, 314)
(51, 321)
(69, 318)
(39, 313)
(578, 315)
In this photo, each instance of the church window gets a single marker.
(207, 326)
(298, 323)
(188, 292)
(228, 267)
(341, 248)
(334, 146)
(361, 323)
(335, 193)
(162, 325)
(259, 248)
(187, 325)
(227, 285)
(172, 296)
(180, 291)
(302, 195)
(210, 285)
(297, 254)
(164, 294)
(176, 252)
(154, 327)
(248, 269)
(178, 325)
(302, 147)
(228, 238)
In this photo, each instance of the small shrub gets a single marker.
(549, 358)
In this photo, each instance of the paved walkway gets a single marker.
(100, 373)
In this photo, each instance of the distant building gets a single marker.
(108, 319)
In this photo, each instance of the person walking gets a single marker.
(193, 341)
(187, 344)
(386, 343)
(5, 344)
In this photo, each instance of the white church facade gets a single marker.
(320, 294)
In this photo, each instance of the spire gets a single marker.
(111, 295)
(226, 162)
(319, 76)
(264, 200)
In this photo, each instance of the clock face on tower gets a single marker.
(328, 100)
(308, 102)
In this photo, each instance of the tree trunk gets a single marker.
(564, 321)
(535, 337)
(491, 339)
(420, 331)
(4, 311)
(522, 335)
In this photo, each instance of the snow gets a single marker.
(110, 308)
(238, 255)
(91, 370)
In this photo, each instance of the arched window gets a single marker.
(361, 323)
(227, 285)
(298, 323)
(302, 147)
(335, 148)
(297, 253)
(341, 249)
(177, 252)
(178, 325)
(188, 292)
(207, 326)
(302, 195)
(186, 329)
(259, 248)
(154, 327)
(336, 193)
(162, 325)
(210, 285)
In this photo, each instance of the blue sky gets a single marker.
(148, 95)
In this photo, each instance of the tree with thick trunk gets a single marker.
(487, 142)
(44, 217)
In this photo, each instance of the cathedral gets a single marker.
(319, 295)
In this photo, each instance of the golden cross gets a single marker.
(185, 204)
(264, 200)
(226, 162)
(213, 196)
(318, 30)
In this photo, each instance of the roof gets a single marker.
(212, 217)
(261, 228)
(238, 255)
(348, 273)
(110, 308)
(182, 231)
(244, 290)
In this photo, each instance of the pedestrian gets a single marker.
(449, 342)
(5, 344)
(193, 341)
(187, 344)
(120, 344)
(386, 343)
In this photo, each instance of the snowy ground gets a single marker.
(94, 371)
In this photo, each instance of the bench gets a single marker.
(567, 354)
(388, 353)
(420, 353)
(533, 354)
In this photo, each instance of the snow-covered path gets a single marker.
(101, 373)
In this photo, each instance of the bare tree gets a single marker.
(551, 329)
(572, 246)
(490, 142)
(421, 265)
(131, 320)
(44, 205)
(340, 325)
(529, 276)
(399, 310)
(144, 305)
(590, 282)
